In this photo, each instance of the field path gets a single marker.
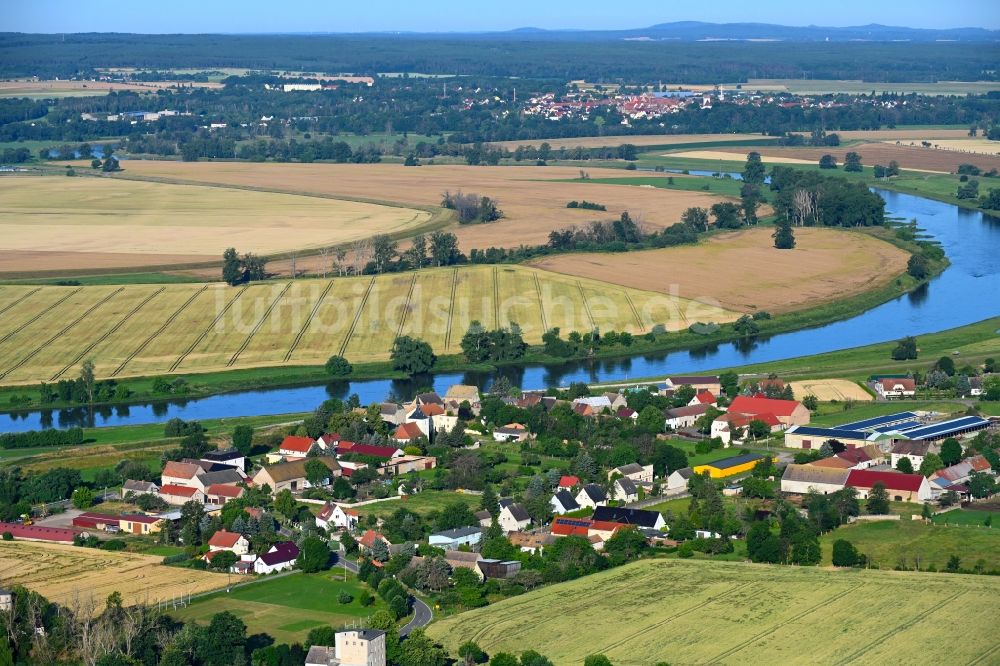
(302, 331)
(201, 336)
(256, 327)
(406, 306)
(635, 312)
(926, 613)
(105, 335)
(586, 305)
(541, 306)
(157, 332)
(357, 316)
(20, 300)
(61, 332)
(451, 309)
(40, 315)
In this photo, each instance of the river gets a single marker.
(966, 292)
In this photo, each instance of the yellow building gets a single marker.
(730, 466)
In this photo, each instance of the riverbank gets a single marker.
(141, 390)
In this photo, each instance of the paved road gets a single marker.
(422, 613)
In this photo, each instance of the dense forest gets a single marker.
(503, 55)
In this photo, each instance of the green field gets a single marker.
(422, 503)
(912, 543)
(287, 608)
(707, 612)
(46, 332)
(971, 517)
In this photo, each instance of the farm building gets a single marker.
(902, 387)
(95, 521)
(863, 457)
(625, 516)
(809, 437)
(178, 495)
(220, 493)
(405, 464)
(531, 543)
(38, 533)
(916, 450)
(406, 433)
(901, 487)
(139, 488)
(684, 417)
(140, 524)
(729, 466)
(453, 539)
(801, 479)
(459, 393)
(960, 427)
(725, 425)
(368, 450)
(882, 423)
(181, 474)
(499, 568)
(788, 412)
(458, 559)
(698, 383)
(292, 475)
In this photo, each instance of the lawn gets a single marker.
(910, 543)
(710, 612)
(422, 503)
(971, 517)
(288, 607)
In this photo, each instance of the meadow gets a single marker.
(423, 503)
(68, 574)
(911, 543)
(287, 608)
(825, 265)
(733, 613)
(133, 330)
(57, 223)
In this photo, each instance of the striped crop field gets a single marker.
(138, 330)
(704, 612)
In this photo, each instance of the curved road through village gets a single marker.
(422, 613)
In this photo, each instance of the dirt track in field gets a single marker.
(742, 270)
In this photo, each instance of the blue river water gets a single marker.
(968, 291)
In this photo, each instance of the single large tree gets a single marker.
(753, 170)
(878, 499)
(412, 355)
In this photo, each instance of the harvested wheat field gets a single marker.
(47, 332)
(68, 574)
(59, 223)
(634, 139)
(706, 612)
(980, 145)
(840, 390)
(915, 158)
(533, 198)
(743, 271)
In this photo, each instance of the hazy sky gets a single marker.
(234, 16)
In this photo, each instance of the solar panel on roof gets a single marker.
(574, 522)
(898, 426)
(946, 427)
(830, 432)
(866, 424)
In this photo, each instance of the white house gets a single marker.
(684, 417)
(678, 479)
(513, 518)
(360, 647)
(334, 516)
(915, 450)
(231, 541)
(453, 539)
(624, 490)
(592, 496)
(562, 502)
(280, 557)
(896, 387)
(635, 472)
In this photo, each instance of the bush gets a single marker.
(175, 559)
(33, 438)
(7, 536)
(344, 598)
(338, 366)
(113, 544)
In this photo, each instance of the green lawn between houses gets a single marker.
(421, 503)
(287, 608)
